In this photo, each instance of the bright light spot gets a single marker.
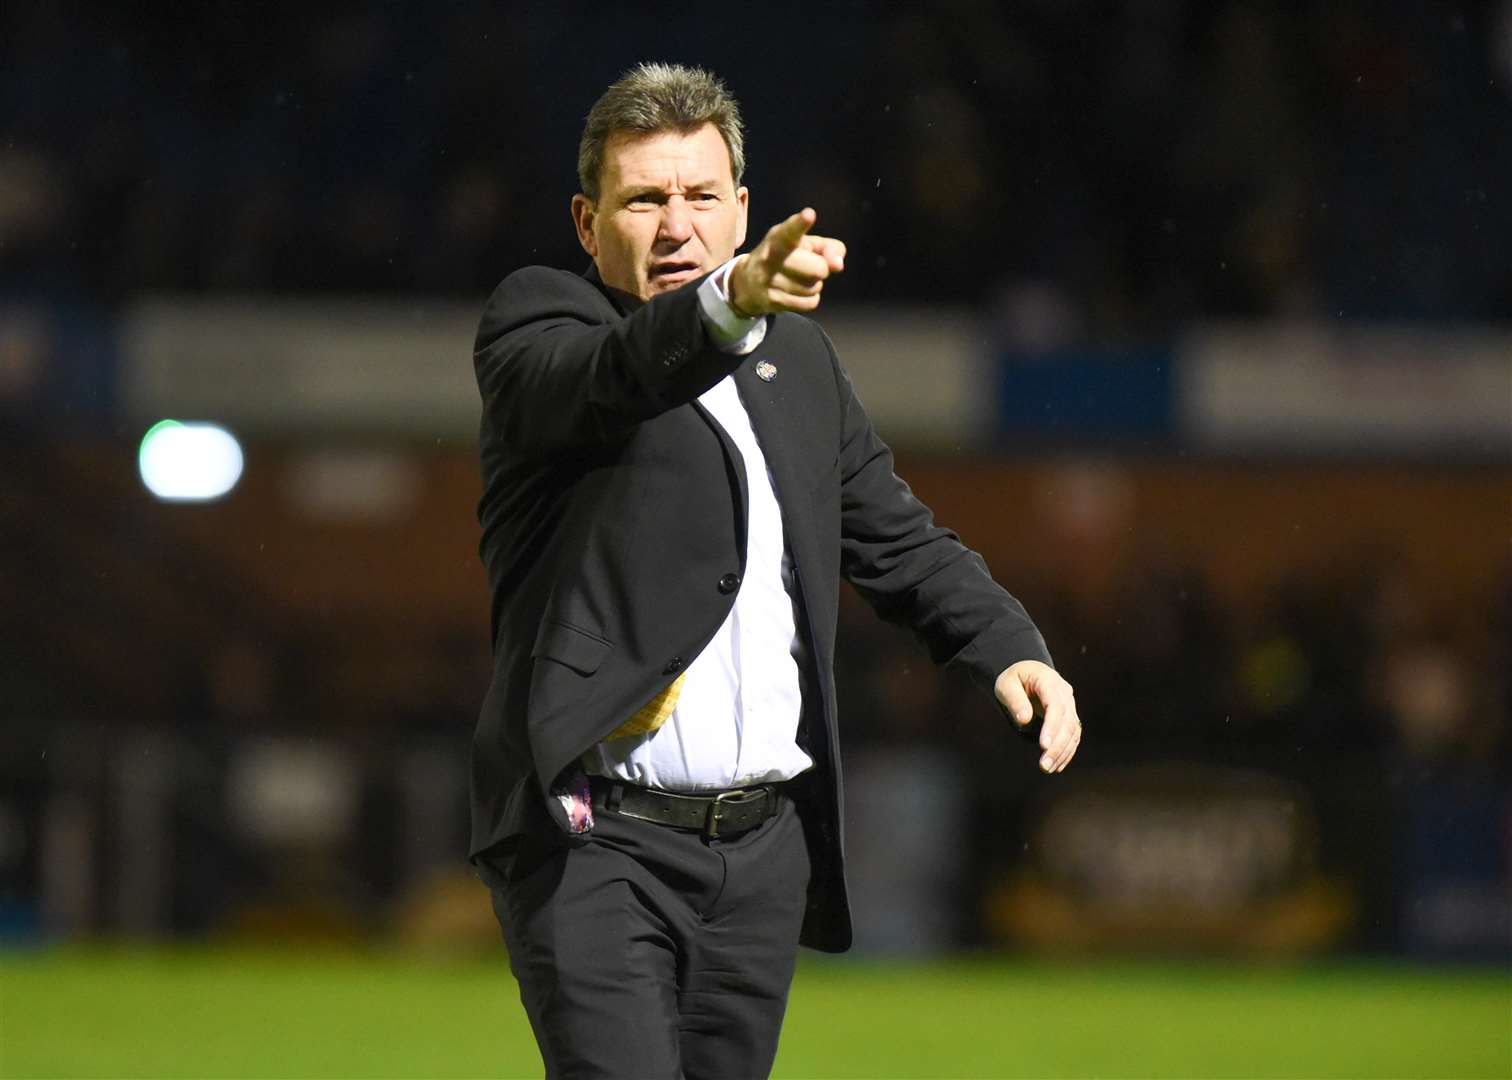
(189, 462)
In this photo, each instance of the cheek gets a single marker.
(721, 232)
(633, 240)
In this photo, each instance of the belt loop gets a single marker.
(616, 795)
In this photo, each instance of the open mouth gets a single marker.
(674, 273)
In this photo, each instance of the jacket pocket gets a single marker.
(566, 644)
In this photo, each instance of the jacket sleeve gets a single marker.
(914, 572)
(555, 371)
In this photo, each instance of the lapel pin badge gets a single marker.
(766, 371)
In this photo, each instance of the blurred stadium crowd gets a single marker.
(1123, 168)
(185, 753)
(181, 754)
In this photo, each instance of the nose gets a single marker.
(676, 224)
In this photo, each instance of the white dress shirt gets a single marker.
(736, 719)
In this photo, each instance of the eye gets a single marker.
(704, 197)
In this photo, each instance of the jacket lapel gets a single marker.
(773, 422)
(735, 467)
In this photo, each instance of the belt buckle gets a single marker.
(728, 798)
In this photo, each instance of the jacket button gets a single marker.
(729, 583)
(674, 665)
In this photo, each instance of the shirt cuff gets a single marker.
(730, 333)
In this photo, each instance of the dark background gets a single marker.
(1075, 175)
(1156, 162)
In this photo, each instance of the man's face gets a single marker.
(668, 211)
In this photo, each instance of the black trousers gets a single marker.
(644, 951)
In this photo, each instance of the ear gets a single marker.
(742, 210)
(583, 215)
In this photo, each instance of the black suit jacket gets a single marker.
(613, 504)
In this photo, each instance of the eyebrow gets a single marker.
(652, 189)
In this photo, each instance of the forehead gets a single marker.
(667, 158)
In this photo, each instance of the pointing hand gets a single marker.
(787, 270)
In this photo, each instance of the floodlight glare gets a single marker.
(189, 462)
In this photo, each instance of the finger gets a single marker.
(787, 235)
(785, 301)
(1058, 705)
(1049, 737)
(1056, 737)
(1061, 731)
(1055, 719)
(832, 251)
(1071, 753)
(803, 266)
(1010, 692)
(798, 286)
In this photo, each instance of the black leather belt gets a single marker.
(715, 813)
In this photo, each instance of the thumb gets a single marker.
(1010, 691)
(786, 236)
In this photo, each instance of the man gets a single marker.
(676, 475)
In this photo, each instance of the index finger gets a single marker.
(787, 235)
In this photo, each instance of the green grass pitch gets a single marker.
(239, 1013)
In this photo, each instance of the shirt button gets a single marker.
(729, 583)
(674, 665)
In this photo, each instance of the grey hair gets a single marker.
(659, 97)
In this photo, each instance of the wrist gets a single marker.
(729, 290)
